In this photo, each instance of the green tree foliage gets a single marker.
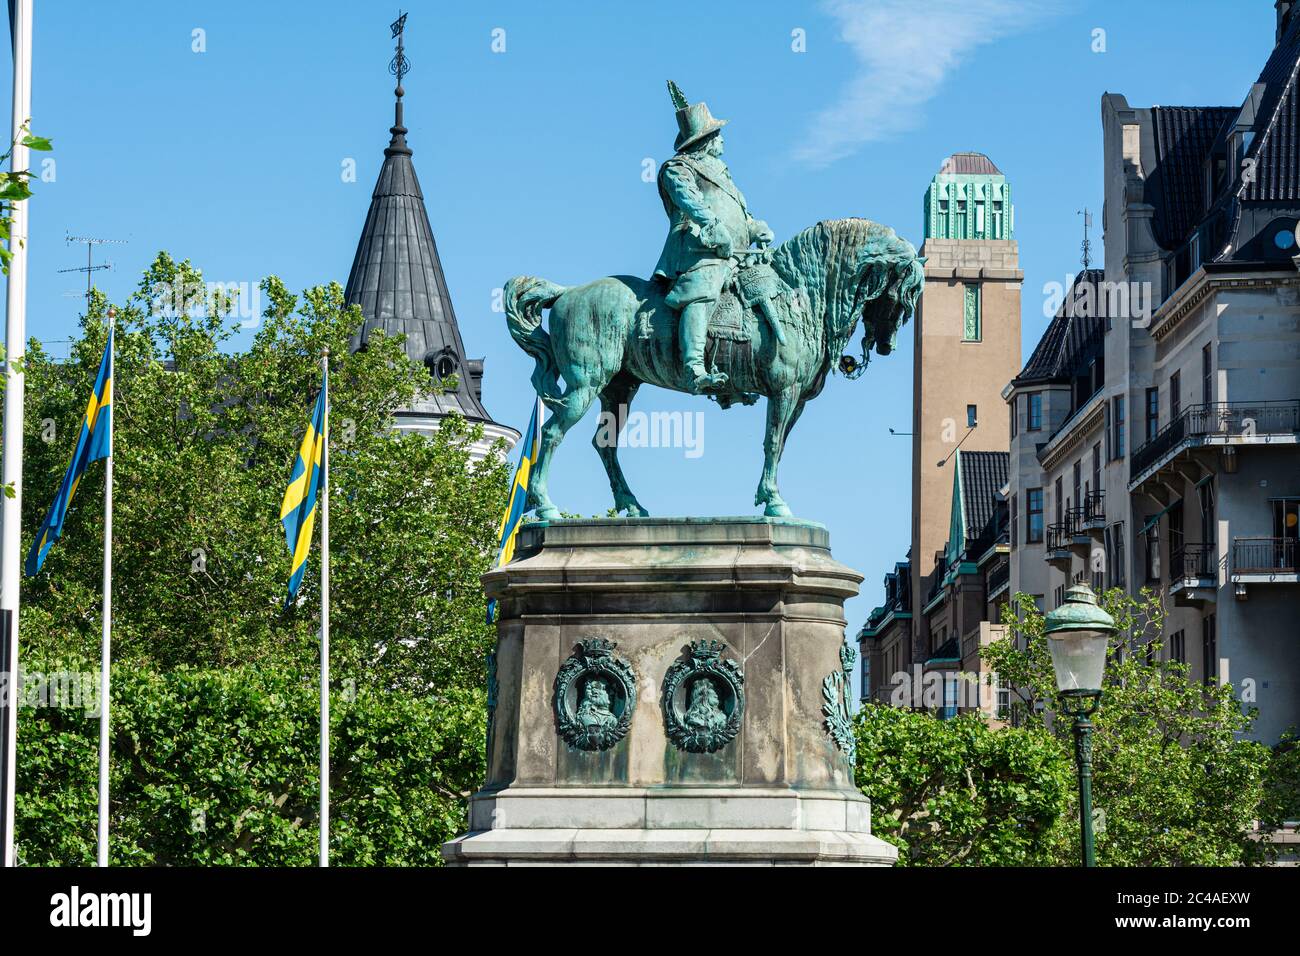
(205, 438)
(1174, 783)
(219, 767)
(957, 793)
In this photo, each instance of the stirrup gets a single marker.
(709, 380)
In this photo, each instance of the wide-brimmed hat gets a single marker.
(694, 121)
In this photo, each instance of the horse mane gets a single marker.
(843, 262)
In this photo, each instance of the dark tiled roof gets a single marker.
(1074, 335)
(1184, 136)
(397, 280)
(1277, 125)
(982, 475)
(969, 163)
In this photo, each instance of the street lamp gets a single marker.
(1078, 637)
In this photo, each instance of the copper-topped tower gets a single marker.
(398, 282)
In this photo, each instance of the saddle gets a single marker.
(751, 285)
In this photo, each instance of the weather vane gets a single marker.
(400, 65)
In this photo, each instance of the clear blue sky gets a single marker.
(531, 162)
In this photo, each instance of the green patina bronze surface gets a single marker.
(837, 706)
(594, 696)
(703, 699)
(724, 314)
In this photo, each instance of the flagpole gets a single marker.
(12, 471)
(325, 624)
(106, 623)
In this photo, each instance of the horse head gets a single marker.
(855, 269)
(891, 276)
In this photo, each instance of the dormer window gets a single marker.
(441, 365)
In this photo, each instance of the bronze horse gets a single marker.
(609, 336)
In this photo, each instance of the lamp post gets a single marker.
(1078, 637)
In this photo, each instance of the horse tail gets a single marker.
(525, 298)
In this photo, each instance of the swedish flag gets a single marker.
(514, 513)
(94, 443)
(298, 510)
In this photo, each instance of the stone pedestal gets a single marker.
(670, 691)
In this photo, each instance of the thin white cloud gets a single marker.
(905, 50)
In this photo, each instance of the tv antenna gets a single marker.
(90, 268)
(1086, 246)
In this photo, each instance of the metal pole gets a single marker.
(1083, 755)
(12, 471)
(106, 615)
(325, 626)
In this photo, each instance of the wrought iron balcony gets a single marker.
(1218, 420)
(999, 576)
(1060, 535)
(1094, 508)
(1192, 561)
(1265, 556)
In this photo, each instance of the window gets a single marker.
(1175, 395)
(949, 697)
(1034, 515)
(1176, 536)
(1059, 503)
(1114, 555)
(1096, 467)
(1207, 375)
(1153, 412)
(1153, 551)
(972, 416)
(1209, 650)
(1209, 530)
(943, 218)
(1015, 415)
(1077, 501)
(1004, 699)
(1119, 560)
(1117, 427)
(1015, 520)
(972, 322)
(1178, 647)
(1035, 422)
(997, 219)
(959, 232)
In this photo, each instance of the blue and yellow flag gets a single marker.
(94, 443)
(509, 531)
(298, 511)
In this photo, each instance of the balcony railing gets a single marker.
(1059, 535)
(1074, 518)
(1094, 506)
(1192, 561)
(999, 576)
(1218, 419)
(1265, 555)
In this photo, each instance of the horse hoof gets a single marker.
(636, 511)
(549, 513)
(777, 509)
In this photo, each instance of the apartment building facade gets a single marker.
(1158, 448)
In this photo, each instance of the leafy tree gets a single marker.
(957, 793)
(1174, 783)
(220, 767)
(205, 437)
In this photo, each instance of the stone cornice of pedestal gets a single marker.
(784, 555)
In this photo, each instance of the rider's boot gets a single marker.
(695, 323)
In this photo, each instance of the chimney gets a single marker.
(1285, 9)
